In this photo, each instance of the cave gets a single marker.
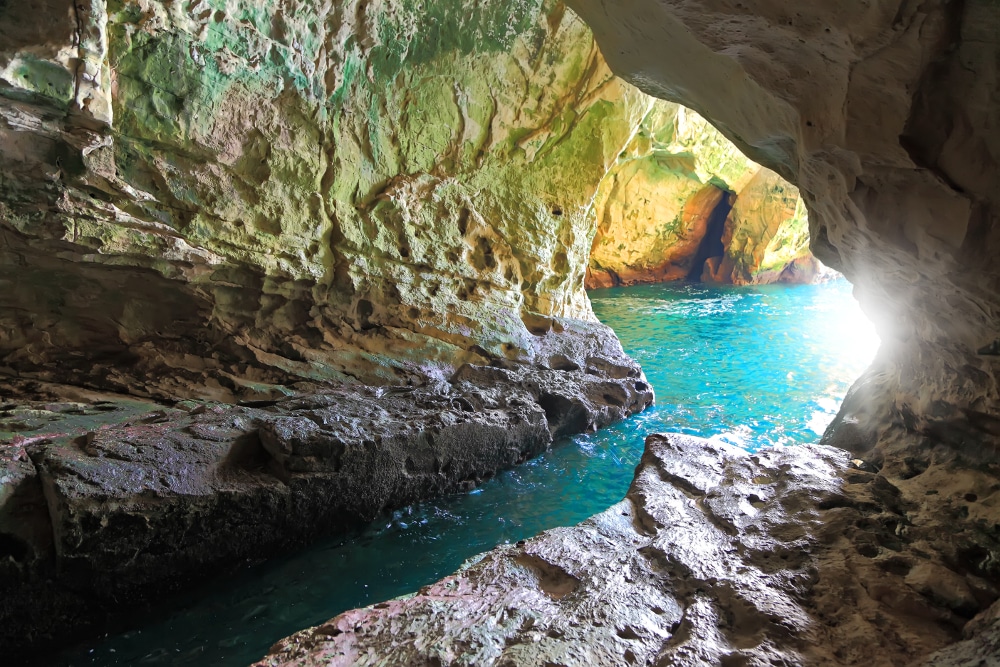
(271, 271)
(711, 245)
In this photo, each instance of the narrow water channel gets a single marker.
(751, 366)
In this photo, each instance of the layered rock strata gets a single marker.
(717, 556)
(95, 521)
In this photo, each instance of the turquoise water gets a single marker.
(751, 366)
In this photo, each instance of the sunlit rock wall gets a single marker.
(765, 237)
(214, 197)
(885, 115)
(656, 206)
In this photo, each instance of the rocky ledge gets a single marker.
(787, 556)
(109, 513)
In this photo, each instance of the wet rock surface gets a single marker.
(787, 556)
(95, 521)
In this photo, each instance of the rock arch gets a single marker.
(885, 115)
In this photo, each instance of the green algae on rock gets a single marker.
(378, 191)
(307, 191)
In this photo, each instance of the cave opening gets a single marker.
(744, 334)
(402, 263)
(711, 245)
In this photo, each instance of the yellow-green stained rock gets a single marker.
(655, 206)
(787, 258)
(766, 237)
(373, 190)
(291, 190)
(653, 217)
(760, 209)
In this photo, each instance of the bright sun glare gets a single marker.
(854, 334)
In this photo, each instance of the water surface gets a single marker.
(750, 366)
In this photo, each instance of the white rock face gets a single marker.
(886, 117)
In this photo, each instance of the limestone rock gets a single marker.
(980, 647)
(222, 201)
(787, 258)
(654, 219)
(716, 556)
(885, 117)
(766, 206)
(96, 521)
(682, 192)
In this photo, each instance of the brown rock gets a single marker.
(759, 210)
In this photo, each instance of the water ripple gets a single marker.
(748, 366)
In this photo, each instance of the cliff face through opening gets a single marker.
(655, 204)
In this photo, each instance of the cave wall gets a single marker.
(765, 237)
(221, 197)
(885, 115)
(655, 206)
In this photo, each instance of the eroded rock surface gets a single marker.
(717, 556)
(885, 115)
(765, 237)
(96, 520)
(683, 203)
(218, 199)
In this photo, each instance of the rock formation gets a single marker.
(381, 212)
(372, 212)
(683, 203)
(885, 116)
(765, 237)
(790, 556)
(220, 200)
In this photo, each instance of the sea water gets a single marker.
(751, 366)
